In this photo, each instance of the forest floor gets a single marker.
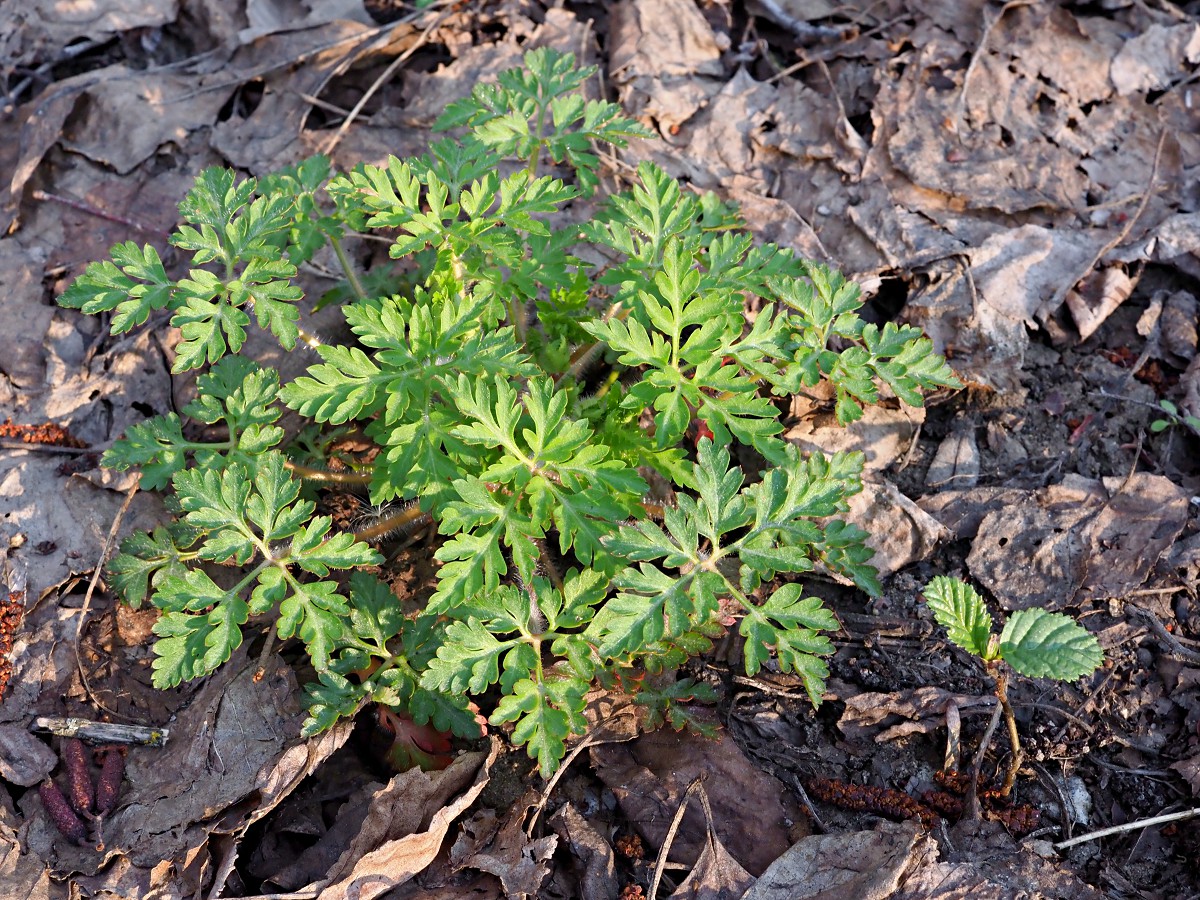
(1017, 179)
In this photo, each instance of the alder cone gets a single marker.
(68, 824)
(79, 779)
(112, 770)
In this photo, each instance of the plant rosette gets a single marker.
(522, 402)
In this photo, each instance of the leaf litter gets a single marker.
(1018, 180)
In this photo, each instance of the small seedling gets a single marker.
(1034, 642)
(1174, 418)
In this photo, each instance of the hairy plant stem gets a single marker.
(403, 520)
(1018, 756)
(312, 474)
(549, 563)
(309, 339)
(585, 354)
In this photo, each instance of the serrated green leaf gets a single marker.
(132, 286)
(468, 661)
(961, 611)
(330, 698)
(1043, 644)
(144, 561)
(312, 551)
(546, 714)
(156, 446)
(790, 625)
(318, 614)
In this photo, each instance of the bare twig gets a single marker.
(983, 42)
(1173, 643)
(589, 740)
(693, 788)
(1128, 826)
(87, 598)
(391, 70)
(47, 197)
(102, 732)
(1013, 737)
(972, 808)
(44, 448)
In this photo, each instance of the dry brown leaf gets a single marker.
(956, 462)
(1015, 273)
(24, 760)
(1178, 327)
(778, 222)
(810, 127)
(36, 30)
(972, 159)
(430, 92)
(1155, 58)
(962, 511)
(22, 349)
(466, 885)
(405, 825)
(300, 815)
(64, 521)
(127, 115)
(899, 531)
(504, 850)
(1190, 770)
(1076, 539)
(427, 94)
(594, 853)
(917, 711)
(1097, 297)
(612, 718)
(859, 865)
(271, 16)
(278, 783)
(659, 55)
(23, 875)
(41, 128)
(720, 141)
(983, 861)
(716, 874)
(650, 775)
(883, 434)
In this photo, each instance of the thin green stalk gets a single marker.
(347, 267)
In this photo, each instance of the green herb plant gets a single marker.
(1174, 418)
(1034, 642)
(524, 401)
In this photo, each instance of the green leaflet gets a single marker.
(960, 610)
